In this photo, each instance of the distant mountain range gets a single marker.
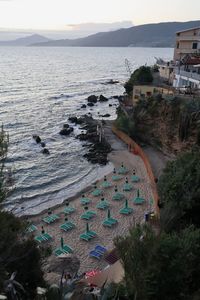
(148, 35)
(26, 41)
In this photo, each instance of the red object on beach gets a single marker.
(135, 151)
(91, 273)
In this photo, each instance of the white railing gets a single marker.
(186, 74)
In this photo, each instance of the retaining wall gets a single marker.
(137, 150)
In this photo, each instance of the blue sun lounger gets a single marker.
(95, 254)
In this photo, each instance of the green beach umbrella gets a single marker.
(62, 242)
(138, 193)
(108, 214)
(126, 203)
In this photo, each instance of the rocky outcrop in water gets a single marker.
(102, 98)
(98, 148)
(45, 151)
(66, 130)
(92, 99)
(37, 139)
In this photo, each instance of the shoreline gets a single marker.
(105, 236)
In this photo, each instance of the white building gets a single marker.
(187, 59)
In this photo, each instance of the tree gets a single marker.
(18, 253)
(143, 75)
(179, 188)
(160, 267)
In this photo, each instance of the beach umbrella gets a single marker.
(135, 178)
(62, 242)
(127, 187)
(118, 196)
(126, 203)
(138, 193)
(97, 192)
(108, 214)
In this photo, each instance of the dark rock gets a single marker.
(37, 139)
(65, 126)
(110, 105)
(73, 119)
(111, 81)
(90, 104)
(102, 98)
(80, 120)
(120, 98)
(45, 151)
(66, 131)
(83, 106)
(106, 116)
(43, 144)
(92, 99)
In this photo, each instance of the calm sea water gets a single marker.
(39, 89)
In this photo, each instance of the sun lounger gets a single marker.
(106, 184)
(67, 226)
(107, 223)
(138, 200)
(116, 177)
(126, 211)
(85, 201)
(91, 212)
(118, 196)
(100, 249)
(43, 237)
(31, 228)
(91, 233)
(122, 170)
(127, 187)
(50, 219)
(69, 210)
(63, 250)
(135, 178)
(103, 205)
(97, 192)
(88, 215)
(95, 254)
(85, 237)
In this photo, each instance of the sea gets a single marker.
(40, 88)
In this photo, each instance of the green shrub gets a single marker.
(143, 75)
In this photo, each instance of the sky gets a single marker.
(64, 14)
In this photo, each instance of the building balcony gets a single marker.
(188, 38)
(187, 75)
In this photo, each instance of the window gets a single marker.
(194, 45)
(177, 46)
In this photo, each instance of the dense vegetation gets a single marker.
(179, 190)
(17, 252)
(166, 265)
(161, 267)
(143, 75)
(170, 123)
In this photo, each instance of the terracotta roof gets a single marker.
(189, 29)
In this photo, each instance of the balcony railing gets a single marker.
(188, 38)
(192, 75)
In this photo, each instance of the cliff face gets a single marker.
(172, 126)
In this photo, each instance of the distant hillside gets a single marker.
(149, 35)
(25, 41)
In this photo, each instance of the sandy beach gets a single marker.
(105, 235)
